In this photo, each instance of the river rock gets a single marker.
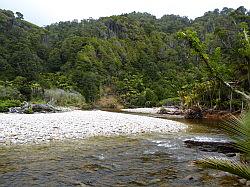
(248, 183)
(154, 181)
(220, 174)
(230, 154)
(189, 177)
(210, 146)
(242, 181)
(79, 125)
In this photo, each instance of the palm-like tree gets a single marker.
(239, 131)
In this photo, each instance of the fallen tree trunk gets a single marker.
(31, 108)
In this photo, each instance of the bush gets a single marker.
(6, 104)
(110, 102)
(88, 83)
(23, 86)
(61, 97)
(9, 93)
(147, 98)
(151, 98)
(175, 101)
(29, 111)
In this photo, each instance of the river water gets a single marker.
(138, 160)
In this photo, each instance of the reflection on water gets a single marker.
(145, 160)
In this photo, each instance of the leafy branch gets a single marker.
(199, 48)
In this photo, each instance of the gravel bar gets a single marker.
(37, 128)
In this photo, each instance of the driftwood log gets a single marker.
(193, 113)
(31, 108)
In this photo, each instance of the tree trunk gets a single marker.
(231, 98)
(248, 73)
(197, 46)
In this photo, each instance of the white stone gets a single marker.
(242, 181)
(248, 183)
(78, 124)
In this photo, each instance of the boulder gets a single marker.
(209, 146)
(242, 181)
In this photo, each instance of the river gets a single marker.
(138, 160)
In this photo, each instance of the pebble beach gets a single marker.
(38, 128)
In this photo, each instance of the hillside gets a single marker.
(133, 59)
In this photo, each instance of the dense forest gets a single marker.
(128, 60)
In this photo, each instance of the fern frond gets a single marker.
(233, 167)
(239, 131)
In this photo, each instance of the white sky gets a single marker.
(44, 12)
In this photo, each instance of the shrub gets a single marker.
(9, 93)
(88, 83)
(6, 104)
(110, 102)
(61, 97)
(175, 101)
(29, 111)
(23, 86)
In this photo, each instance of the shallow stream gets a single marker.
(138, 160)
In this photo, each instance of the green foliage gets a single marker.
(88, 84)
(8, 92)
(239, 131)
(215, 70)
(150, 97)
(29, 111)
(233, 167)
(55, 80)
(6, 104)
(195, 95)
(175, 101)
(23, 86)
(140, 56)
(20, 44)
(61, 97)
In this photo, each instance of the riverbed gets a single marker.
(142, 159)
(37, 128)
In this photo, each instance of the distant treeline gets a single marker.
(132, 59)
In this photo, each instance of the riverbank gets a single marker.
(176, 113)
(37, 128)
(168, 113)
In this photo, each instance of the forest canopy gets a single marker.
(135, 58)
